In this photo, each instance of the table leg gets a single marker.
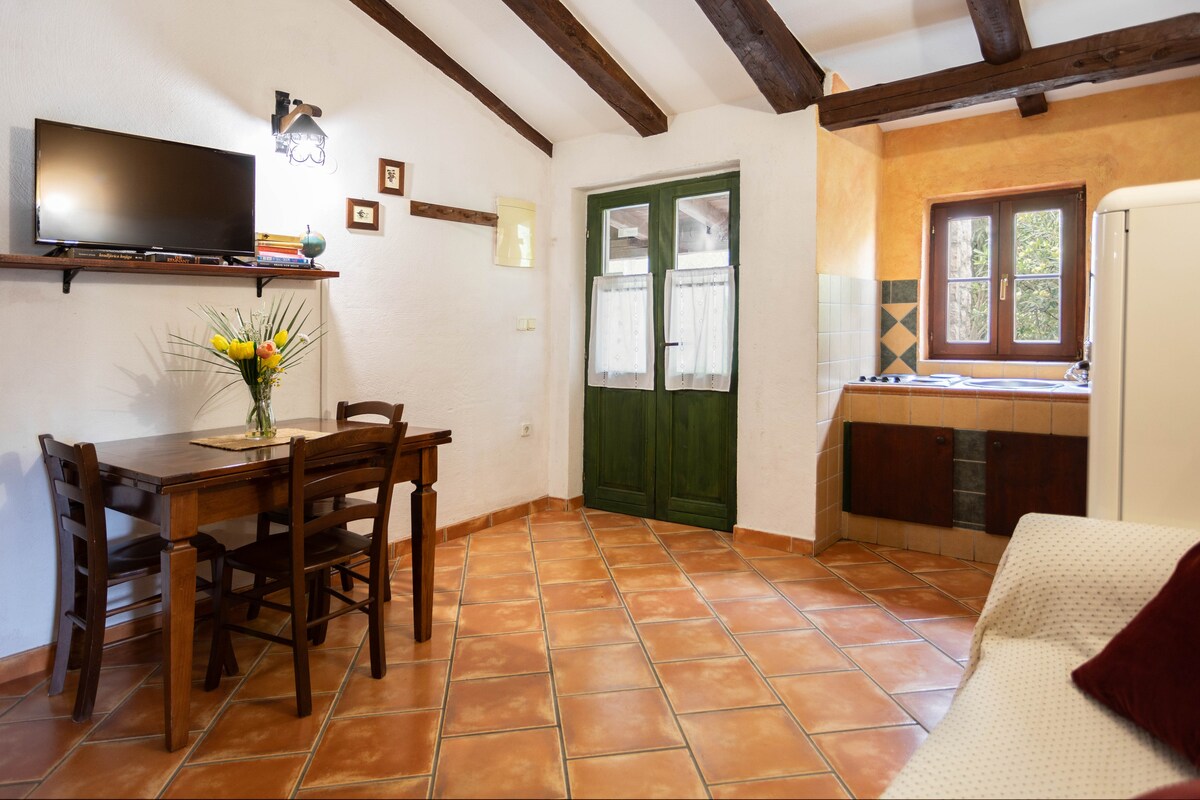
(178, 560)
(424, 540)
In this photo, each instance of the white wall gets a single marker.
(777, 283)
(419, 314)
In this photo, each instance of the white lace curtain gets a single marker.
(699, 315)
(621, 349)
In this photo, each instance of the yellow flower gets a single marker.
(241, 351)
(281, 338)
(220, 343)
(273, 361)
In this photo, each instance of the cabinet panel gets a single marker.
(903, 472)
(1028, 472)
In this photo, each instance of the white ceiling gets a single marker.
(677, 57)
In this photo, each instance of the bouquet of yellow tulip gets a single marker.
(258, 351)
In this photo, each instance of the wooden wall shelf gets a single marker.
(70, 267)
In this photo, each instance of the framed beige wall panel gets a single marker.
(514, 232)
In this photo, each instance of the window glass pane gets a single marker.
(970, 242)
(1038, 242)
(968, 311)
(627, 240)
(702, 231)
(1037, 310)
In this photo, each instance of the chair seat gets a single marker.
(318, 509)
(272, 555)
(141, 554)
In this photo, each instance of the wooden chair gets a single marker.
(299, 560)
(89, 564)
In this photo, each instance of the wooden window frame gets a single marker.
(1000, 210)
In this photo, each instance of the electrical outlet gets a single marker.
(526, 428)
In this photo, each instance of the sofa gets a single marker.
(1018, 725)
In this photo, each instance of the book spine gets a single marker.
(111, 255)
(283, 262)
(276, 239)
(284, 252)
(171, 258)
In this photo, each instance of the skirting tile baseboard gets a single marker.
(774, 541)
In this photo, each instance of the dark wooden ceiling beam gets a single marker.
(1123, 53)
(1000, 28)
(567, 37)
(784, 71)
(400, 27)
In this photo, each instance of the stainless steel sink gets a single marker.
(1011, 383)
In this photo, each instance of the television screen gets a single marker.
(106, 189)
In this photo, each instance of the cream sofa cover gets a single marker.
(1018, 726)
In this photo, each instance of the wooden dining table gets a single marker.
(180, 486)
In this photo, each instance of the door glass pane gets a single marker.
(1037, 310)
(627, 240)
(968, 311)
(699, 316)
(970, 242)
(702, 231)
(1038, 242)
(621, 347)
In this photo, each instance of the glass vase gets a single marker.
(260, 419)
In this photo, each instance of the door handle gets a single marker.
(670, 344)
(940, 440)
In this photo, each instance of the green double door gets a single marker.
(650, 452)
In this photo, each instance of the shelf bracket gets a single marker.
(263, 282)
(68, 276)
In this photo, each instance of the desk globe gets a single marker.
(312, 244)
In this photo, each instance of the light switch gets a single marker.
(522, 324)
(530, 324)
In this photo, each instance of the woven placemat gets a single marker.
(238, 441)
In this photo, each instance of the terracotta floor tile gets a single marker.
(566, 548)
(790, 568)
(580, 596)
(247, 648)
(19, 687)
(706, 561)
(868, 760)
(609, 668)
(666, 605)
(16, 791)
(374, 748)
(793, 652)
(641, 579)
(877, 576)
(559, 532)
(677, 641)
(274, 676)
(927, 708)
(494, 588)
(498, 544)
(976, 604)
(262, 728)
(838, 701)
(142, 713)
(805, 787)
(961, 582)
(759, 614)
(405, 687)
(714, 684)
(492, 618)
(6, 703)
(495, 656)
(847, 553)
(617, 722)
(115, 685)
(664, 773)
(747, 744)
(518, 525)
(147, 650)
(573, 570)
(400, 646)
(345, 631)
(853, 626)
(636, 554)
(410, 788)
(555, 517)
(821, 593)
(914, 604)
(990, 569)
(691, 542)
(951, 636)
(258, 778)
(145, 768)
(446, 556)
(733, 585)
(598, 520)
(499, 704)
(515, 764)
(662, 526)
(507, 564)
(621, 537)
(583, 628)
(756, 551)
(29, 749)
(916, 561)
(450, 579)
(909, 667)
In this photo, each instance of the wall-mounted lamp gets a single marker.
(296, 132)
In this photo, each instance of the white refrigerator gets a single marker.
(1144, 427)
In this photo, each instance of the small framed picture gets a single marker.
(362, 215)
(391, 176)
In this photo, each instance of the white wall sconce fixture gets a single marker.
(296, 132)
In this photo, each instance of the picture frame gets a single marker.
(391, 177)
(362, 215)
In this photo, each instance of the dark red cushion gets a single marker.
(1148, 672)
(1188, 790)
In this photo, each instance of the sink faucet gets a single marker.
(1080, 370)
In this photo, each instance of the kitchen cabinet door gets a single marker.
(903, 472)
(1028, 472)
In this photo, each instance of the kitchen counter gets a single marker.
(1053, 391)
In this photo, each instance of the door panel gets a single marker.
(903, 472)
(1028, 472)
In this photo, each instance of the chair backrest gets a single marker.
(77, 500)
(377, 408)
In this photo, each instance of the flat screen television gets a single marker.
(97, 188)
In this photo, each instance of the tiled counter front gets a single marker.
(970, 412)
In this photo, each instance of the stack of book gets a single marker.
(277, 250)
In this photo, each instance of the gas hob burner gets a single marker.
(943, 379)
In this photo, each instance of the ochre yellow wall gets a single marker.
(849, 185)
(1148, 134)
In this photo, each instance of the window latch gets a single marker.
(1003, 287)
